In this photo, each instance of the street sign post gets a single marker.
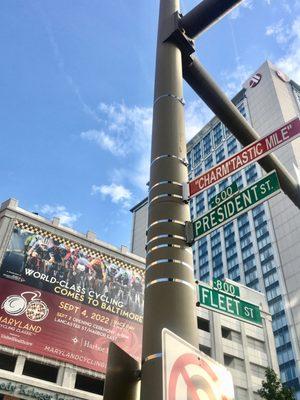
(243, 201)
(246, 156)
(229, 305)
(189, 374)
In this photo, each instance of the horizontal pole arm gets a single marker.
(202, 83)
(205, 14)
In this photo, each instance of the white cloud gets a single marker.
(66, 218)
(117, 193)
(280, 31)
(127, 131)
(290, 62)
(103, 140)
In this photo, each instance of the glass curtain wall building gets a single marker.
(244, 250)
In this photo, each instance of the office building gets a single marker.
(260, 248)
(62, 300)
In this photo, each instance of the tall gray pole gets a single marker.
(169, 291)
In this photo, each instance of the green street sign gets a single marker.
(228, 305)
(226, 287)
(224, 195)
(243, 201)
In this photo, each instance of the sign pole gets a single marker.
(169, 284)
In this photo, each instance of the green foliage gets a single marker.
(272, 388)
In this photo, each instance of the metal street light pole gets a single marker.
(169, 283)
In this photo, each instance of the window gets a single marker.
(262, 230)
(189, 157)
(271, 278)
(200, 206)
(232, 262)
(220, 154)
(276, 306)
(234, 362)
(288, 371)
(205, 349)
(234, 273)
(250, 277)
(263, 242)
(272, 293)
(242, 110)
(197, 153)
(266, 253)
(257, 370)
(215, 239)
(249, 264)
(268, 265)
(251, 173)
(198, 170)
(231, 145)
(282, 337)
(40, 371)
(231, 251)
(228, 229)
(218, 134)
(208, 163)
(211, 193)
(241, 394)
(285, 355)
(243, 220)
(7, 361)
(258, 210)
(89, 384)
(247, 252)
(256, 344)
(207, 144)
(279, 321)
(231, 335)
(203, 324)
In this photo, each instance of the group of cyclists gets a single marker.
(78, 270)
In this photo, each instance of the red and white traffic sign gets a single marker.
(254, 81)
(189, 374)
(249, 154)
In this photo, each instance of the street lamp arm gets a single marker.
(205, 14)
(203, 84)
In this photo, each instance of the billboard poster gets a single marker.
(63, 301)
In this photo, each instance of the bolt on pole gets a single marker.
(170, 296)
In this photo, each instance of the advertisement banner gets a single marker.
(67, 302)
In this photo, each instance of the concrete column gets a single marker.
(20, 365)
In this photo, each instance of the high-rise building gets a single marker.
(260, 248)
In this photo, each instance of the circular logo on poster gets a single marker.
(282, 76)
(35, 310)
(254, 81)
(14, 305)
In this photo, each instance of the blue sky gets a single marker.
(76, 89)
